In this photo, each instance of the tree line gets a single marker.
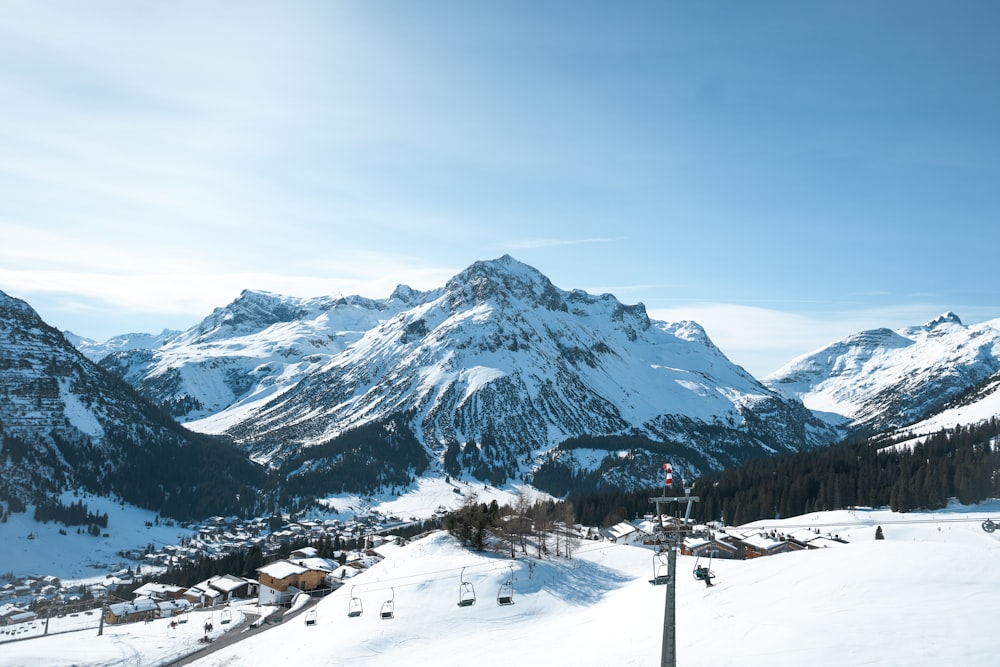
(74, 514)
(904, 474)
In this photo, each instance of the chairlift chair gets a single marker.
(354, 606)
(311, 617)
(661, 570)
(506, 594)
(466, 592)
(703, 572)
(225, 617)
(388, 607)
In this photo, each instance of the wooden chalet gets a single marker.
(282, 579)
(139, 609)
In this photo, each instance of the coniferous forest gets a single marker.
(961, 463)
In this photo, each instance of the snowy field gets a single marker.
(80, 557)
(140, 644)
(926, 595)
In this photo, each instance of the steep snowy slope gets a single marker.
(249, 351)
(881, 379)
(67, 424)
(500, 366)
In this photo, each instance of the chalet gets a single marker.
(203, 595)
(621, 533)
(8, 613)
(710, 547)
(282, 579)
(169, 608)
(160, 591)
(15, 615)
(304, 552)
(763, 544)
(139, 609)
(230, 586)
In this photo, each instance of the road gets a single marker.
(236, 635)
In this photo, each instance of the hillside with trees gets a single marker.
(960, 463)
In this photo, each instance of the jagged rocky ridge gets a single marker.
(499, 375)
(66, 424)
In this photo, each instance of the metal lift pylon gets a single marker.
(670, 539)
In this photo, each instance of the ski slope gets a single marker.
(926, 595)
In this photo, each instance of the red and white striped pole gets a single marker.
(668, 475)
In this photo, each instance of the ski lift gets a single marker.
(311, 617)
(466, 592)
(661, 570)
(226, 616)
(989, 526)
(704, 572)
(388, 607)
(354, 607)
(506, 594)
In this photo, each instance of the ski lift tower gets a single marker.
(669, 538)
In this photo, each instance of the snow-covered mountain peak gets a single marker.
(501, 366)
(406, 294)
(880, 379)
(504, 281)
(486, 375)
(251, 311)
(946, 318)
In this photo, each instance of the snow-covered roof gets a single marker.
(762, 541)
(173, 605)
(620, 530)
(136, 606)
(695, 542)
(151, 589)
(322, 564)
(227, 583)
(280, 569)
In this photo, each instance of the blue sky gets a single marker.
(784, 173)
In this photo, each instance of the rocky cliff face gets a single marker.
(68, 424)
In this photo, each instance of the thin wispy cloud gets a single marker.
(159, 158)
(535, 243)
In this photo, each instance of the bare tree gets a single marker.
(542, 518)
(568, 518)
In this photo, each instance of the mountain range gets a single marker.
(498, 376)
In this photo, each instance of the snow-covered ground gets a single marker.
(142, 644)
(423, 498)
(31, 548)
(925, 595)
